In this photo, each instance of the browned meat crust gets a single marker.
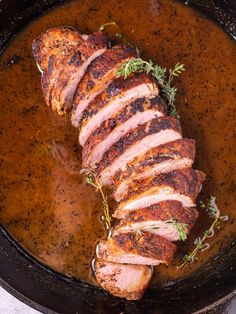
(182, 148)
(117, 86)
(123, 280)
(50, 49)
(138, 105)
(184, 181)
(151, 127)
(71, 66)
(162, 211)
(108, 61)
(56, 43)
(146, 245)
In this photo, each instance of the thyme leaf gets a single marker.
(91, 179)
(200, 242)
(159, 73)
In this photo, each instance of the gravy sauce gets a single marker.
(44, 202)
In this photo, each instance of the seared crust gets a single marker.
(71, 66)
(151, 127)
(116, 87)
(182, 148)
(162, 211)
(123, 280)
(50, 49)
(138, 105)
(56, 43)
(109, 61)
(184, 181)
(146, 245)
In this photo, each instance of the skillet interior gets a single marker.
(30, 281)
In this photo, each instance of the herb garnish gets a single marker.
(214, 212)
(91, 179)
(182, 228)
(159, 73)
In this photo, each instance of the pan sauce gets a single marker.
(44, 202)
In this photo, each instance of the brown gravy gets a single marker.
(44, 203)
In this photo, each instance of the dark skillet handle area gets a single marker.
(209, 290)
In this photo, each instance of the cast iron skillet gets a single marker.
(50, 292)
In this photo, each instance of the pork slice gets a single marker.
(98, 76)
(174, 155)
(116, 96)
(182, 185)
(139, 249)
(159, 219)
(151, 134)
(123, 280)
(50, 49)
(72, 70)
(57, 43)
(132, 115)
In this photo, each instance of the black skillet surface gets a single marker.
(208, 289)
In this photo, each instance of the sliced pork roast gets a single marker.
(130, 144)
(98, 76)
(73, 69)
(115, 96)
(159, 219)
(182, 185)
(132, 115)
(173, 155)
(123, 280)
(146, 136)
(50, 49)
(139, 249)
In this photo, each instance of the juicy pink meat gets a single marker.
(165, 166)
(182, 185)
(120, 131)
(161, 159)
(116, 104)
(162, 194)
(158, 219)
(142, 146)
(122, 280)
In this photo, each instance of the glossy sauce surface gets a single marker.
(44, 201)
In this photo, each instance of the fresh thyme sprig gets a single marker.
(159, 73)
(214, 212)
(91, 179)
(182, 228)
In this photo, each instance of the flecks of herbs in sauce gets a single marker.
(44, 202)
